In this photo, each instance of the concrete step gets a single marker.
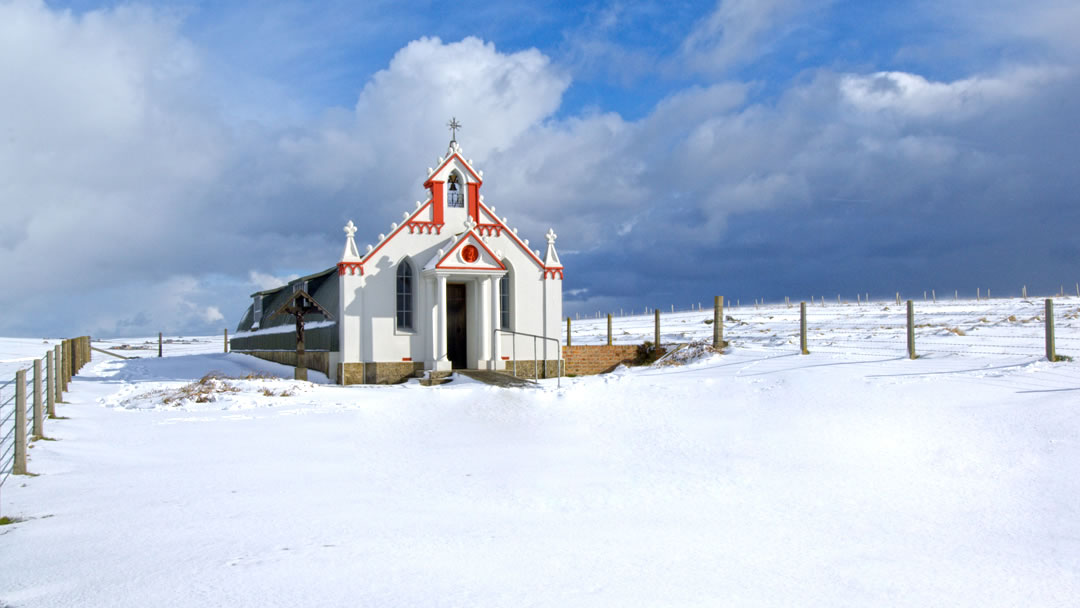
(430, 378)
(502, 379)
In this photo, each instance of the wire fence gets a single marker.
(1000, 327)
(30, 398)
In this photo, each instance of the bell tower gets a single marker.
(454, 185)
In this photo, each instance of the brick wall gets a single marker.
(597, 359)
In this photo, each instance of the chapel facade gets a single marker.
(452, 286)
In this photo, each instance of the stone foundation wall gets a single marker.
(379, 372)
(597, 359)
(318, 360)
(529, 368)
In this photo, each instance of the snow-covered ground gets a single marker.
(849, 477)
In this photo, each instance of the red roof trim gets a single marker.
(427, 184)
(367, 256)
(461, 243)
(510, 232)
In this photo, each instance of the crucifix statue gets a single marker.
(298, 305)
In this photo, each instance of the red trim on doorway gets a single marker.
(470, 235)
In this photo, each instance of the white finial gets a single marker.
(551, 260)
(418, 204)
(537, 252)
(429, 170)
(381, 236)
(526, 240)
(482, 199)
(515, 229)
(504, 220)
(369, 247)
(393, 225)
(350, 254)
(480, 172)
(441, 159)
(405, 215)
(470, 161)
(440, 254)
(470, 223)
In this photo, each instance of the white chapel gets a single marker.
(452, 286)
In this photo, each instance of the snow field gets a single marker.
(756, 478)
(1003, 327)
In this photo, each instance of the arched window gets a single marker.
(404, 295)
(455, 195)
(504, 302)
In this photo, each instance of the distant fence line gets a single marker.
(27, 401)
(844, 338)
(929, 295)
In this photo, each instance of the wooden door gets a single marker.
(456, 334)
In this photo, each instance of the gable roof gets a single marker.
(452, 259)
(309, 303)
(456, 153)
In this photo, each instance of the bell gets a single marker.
(453, 186)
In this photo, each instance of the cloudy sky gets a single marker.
(160, 161)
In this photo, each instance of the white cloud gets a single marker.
(915, 96)
(737, 31)
(122, 183)
(262, 281)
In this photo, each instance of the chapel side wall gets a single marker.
(526, 300)
(380, 300)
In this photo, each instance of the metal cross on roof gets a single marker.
(454, 126)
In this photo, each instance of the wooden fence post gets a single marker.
(609, 342)
(58, 371)
(910, 329)
(568, 334)
(19, 466)
(39, 411)
(65, 373)
(1050, 354)
(226, 339)
(159, 344)
(802, 329)
(50, 385)
(656, 332)
(718, 323)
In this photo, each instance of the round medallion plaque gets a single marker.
(470, 254)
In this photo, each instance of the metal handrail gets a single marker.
(536, 370)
